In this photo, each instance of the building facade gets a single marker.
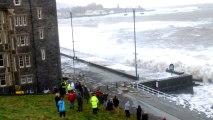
(29, 46)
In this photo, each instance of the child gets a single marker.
(57, 98)
(61, 105)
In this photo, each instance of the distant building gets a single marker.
(29, 46)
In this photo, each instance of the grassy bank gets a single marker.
(42, 107)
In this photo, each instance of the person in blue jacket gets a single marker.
(61, 105)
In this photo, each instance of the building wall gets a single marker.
(50, 68)
(45, 71)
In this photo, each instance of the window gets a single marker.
(39, 11)
(20, 20)
(29, 79)
(21, 61)
(23, 80)
(18, 41)
(2, 80)
(1, 61)
(17, 2)
(24, 20)
(41, 33)
(26, 40)
(17, 19)
(22, 40)
(43, 54)
(14, 63)
(27, 61)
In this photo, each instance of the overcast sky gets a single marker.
(134, 3)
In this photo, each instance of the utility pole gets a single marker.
(73, 48)
(136, 71)
(136, 68)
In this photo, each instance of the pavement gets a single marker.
(156, 107)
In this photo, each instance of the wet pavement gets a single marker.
(156, 107)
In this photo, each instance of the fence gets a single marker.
(200, 110)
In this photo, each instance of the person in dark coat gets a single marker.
(62, 89)
(86, 93)
(139, 112)
(57, 98)
(109, 106)
(79, 87)
(105, 97)
(145, 116)
(80, 102)
(116, 103)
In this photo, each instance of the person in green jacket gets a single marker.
(94, 101)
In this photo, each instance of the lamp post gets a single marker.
(73, 48)
(136, 71)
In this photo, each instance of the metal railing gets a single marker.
(175, 99)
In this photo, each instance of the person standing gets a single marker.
(109, 106)
(80, 102)
(86, 93)
(68, 88)
(79, 87)
(57, 98)
(127, 108)
(116, 103)
(145, 116)
(71, 98)
(94, 101)
(98, 93)
(105, 97)
(139, 112)
(63, 89)
(61, 105)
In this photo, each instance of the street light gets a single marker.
(73, 48)
(133, 11)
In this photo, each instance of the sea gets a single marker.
(181, 35)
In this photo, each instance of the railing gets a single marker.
(177, 100)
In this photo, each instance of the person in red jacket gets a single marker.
(71, 98)
(98, 93)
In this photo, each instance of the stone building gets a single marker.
(29, 46)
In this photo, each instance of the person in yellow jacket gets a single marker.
(94, 101)
(69, 88)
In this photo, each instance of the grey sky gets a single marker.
(134, 3)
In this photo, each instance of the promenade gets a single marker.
(156, 107)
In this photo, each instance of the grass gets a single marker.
(42, 107)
